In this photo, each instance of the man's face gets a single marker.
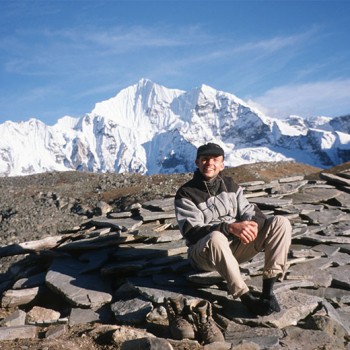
(210, 166)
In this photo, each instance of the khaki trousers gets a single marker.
(215, 252)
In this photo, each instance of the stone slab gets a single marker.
(80, 290)
(18, 332)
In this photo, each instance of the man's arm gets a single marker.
(190, 220)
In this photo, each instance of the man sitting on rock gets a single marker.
(222, 229)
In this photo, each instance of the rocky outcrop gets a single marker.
(112, 273)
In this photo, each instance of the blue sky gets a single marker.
(61, 57)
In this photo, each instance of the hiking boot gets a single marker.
(207, 329)
(179, 327)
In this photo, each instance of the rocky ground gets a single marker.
(56, 204)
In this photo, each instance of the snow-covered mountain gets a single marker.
(149, 129)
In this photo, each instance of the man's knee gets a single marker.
(218, 239)
(281, 225)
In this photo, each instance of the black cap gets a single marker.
(210, 149)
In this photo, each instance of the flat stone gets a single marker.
(113, 238)
(17, 297)
(140, 251)
(81, 290)
(314, 237)
(165, 204)
(308, 208)
(147, 344)
(326, 216)
(155, 293)
(287, 188)
(341, 276)
(127, 224)
(294, 307)
(120, 215)
(296, 178)
(266, 338)
(83, 316)
(340, 259)
(94, 259)
(333, 314)
(336, 295)
(343, 200)
(18, 332)
(298, 338)
(305, 253)
(131, 311)
(314, 195)
(314, 271)
(16, 318)
(338, 229)
(148, 215)
(56, 331)
(270, 202)
(40, 314)
(326, 249)
(123, 334)
(121, 267)
(335, 179)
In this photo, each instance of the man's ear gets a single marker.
(197, 161)
(222, 166)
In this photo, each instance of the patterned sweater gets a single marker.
(204, 206)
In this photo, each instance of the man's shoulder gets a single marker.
(229, 180)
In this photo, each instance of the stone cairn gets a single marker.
(115, 271)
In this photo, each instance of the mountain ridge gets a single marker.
(149, 129)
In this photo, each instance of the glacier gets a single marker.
(150, 129)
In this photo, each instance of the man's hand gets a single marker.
(246, 231)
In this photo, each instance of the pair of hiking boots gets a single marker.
(192, 320)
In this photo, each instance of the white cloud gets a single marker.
(326, 98)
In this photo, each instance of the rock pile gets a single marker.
(115, 270)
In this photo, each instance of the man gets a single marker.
(222, 229)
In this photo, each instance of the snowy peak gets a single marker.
(148, 128)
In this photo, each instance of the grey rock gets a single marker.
(297, 338)
(326, 216)
(81, 290)
(56, 331)
(13, 298)
(294, 307)
(265, 338)
(83, 316)
(270, 202)
(148, 215)
(127, 224)
(147, 344)
(335, 179)
(314, 195)
(165, 204)
(40, 314)
(18, 332)
(131, 311)
(341, 276)
(314, 271)
(16, 318)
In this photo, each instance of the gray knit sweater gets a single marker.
(202, 207)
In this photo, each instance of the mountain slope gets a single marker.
(148, 128)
